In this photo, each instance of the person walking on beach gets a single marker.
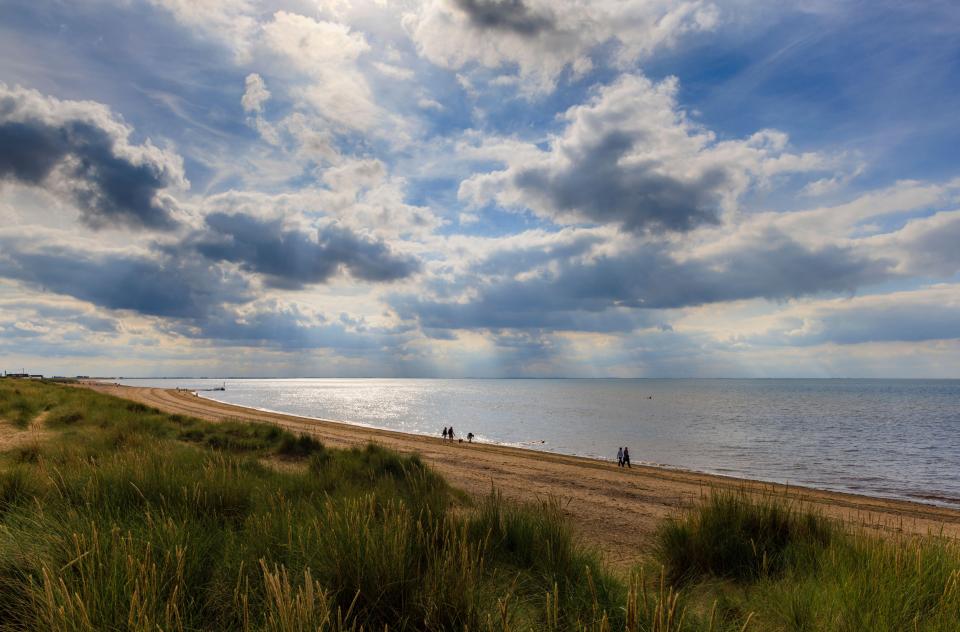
(626, 457)
(619, 457)
(444, 432)
(450, 433)
(469, 437)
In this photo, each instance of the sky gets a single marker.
(480, 188)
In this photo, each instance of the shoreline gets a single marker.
(931, 500)
(616, 509)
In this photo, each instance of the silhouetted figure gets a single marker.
(626, 457)
(444, 432)
(450, 433)
(469, 437)
(619, 457)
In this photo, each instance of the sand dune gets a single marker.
(616, 509)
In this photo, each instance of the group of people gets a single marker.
(448, 434)
(623, 457)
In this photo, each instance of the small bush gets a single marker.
(233, 436)
(29, 453)
(298, 447)
(736, 536)
(137, 407)
(65, 418)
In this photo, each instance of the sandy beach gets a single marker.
(615, 509)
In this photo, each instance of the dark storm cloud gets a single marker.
(162, 286)
(86, 159)
(505, 15)
(291, 258)
(601, 295)
(598, 187)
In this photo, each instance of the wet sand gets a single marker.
(616, 509)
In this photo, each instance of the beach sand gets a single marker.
(615, 509)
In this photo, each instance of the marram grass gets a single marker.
(126, 518)
(789, 568)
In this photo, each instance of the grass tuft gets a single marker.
(298, 447)
(737, 536)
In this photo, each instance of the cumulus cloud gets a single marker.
(185, 293)
(153, 285)
(326, 53)
(52, 322)
(255, 94)
(288, 327)
(80, 151)
(910, 316)
(925, 247)
(359, 194)
(631, 157)
(505, 15)
(541, 38)
(291, 258)
(601, 290)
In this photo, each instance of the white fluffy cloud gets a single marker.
(255, 94)
(542, 38)
(630, 156)
(326, 53)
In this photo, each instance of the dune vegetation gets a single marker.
(116, 516)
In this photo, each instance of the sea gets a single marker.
(886, 438)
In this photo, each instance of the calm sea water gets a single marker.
(894, 438)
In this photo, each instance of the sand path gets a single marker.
(616, 509)
(12, 436)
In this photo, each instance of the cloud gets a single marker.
(159, 285)
(910, 316)
(290, 258)
(255, 94)
(620, 290)
(542, 38)
(231, 22)
(505, 15)
(80, 151)
(393, 71)
(186, 294)
(359, 194)
(287, 327)
(926, 247)
(37, 327)
(630, 156)
(326, 53)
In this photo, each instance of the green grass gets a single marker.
(129, 518)
(735, 536)
(789, 568)
(126, 518)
